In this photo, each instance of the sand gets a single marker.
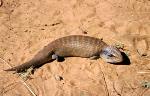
(26, 26)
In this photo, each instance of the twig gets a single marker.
(22, 80)
(5, 62)
(143, 72)
(106, 87)
(116, 90)
(4, 89)
(27, 87)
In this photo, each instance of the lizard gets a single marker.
(73, 46)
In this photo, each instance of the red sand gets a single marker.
(28, 25)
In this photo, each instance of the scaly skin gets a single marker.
(73, 46)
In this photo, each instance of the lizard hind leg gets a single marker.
(58, 58)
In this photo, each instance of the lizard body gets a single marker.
(72, 46)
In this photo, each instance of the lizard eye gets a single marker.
(110, 55)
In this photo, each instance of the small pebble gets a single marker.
(85, 32)
(146, 84)
(58, 78)
(42, 29)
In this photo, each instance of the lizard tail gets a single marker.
(21, 67)
(37, 61)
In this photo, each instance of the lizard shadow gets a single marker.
(126, 60)
(60, 59)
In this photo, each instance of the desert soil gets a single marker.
(26, 26)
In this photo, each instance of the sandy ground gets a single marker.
(28, 25)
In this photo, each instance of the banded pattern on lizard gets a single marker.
(73, 46)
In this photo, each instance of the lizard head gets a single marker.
(111, 54)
